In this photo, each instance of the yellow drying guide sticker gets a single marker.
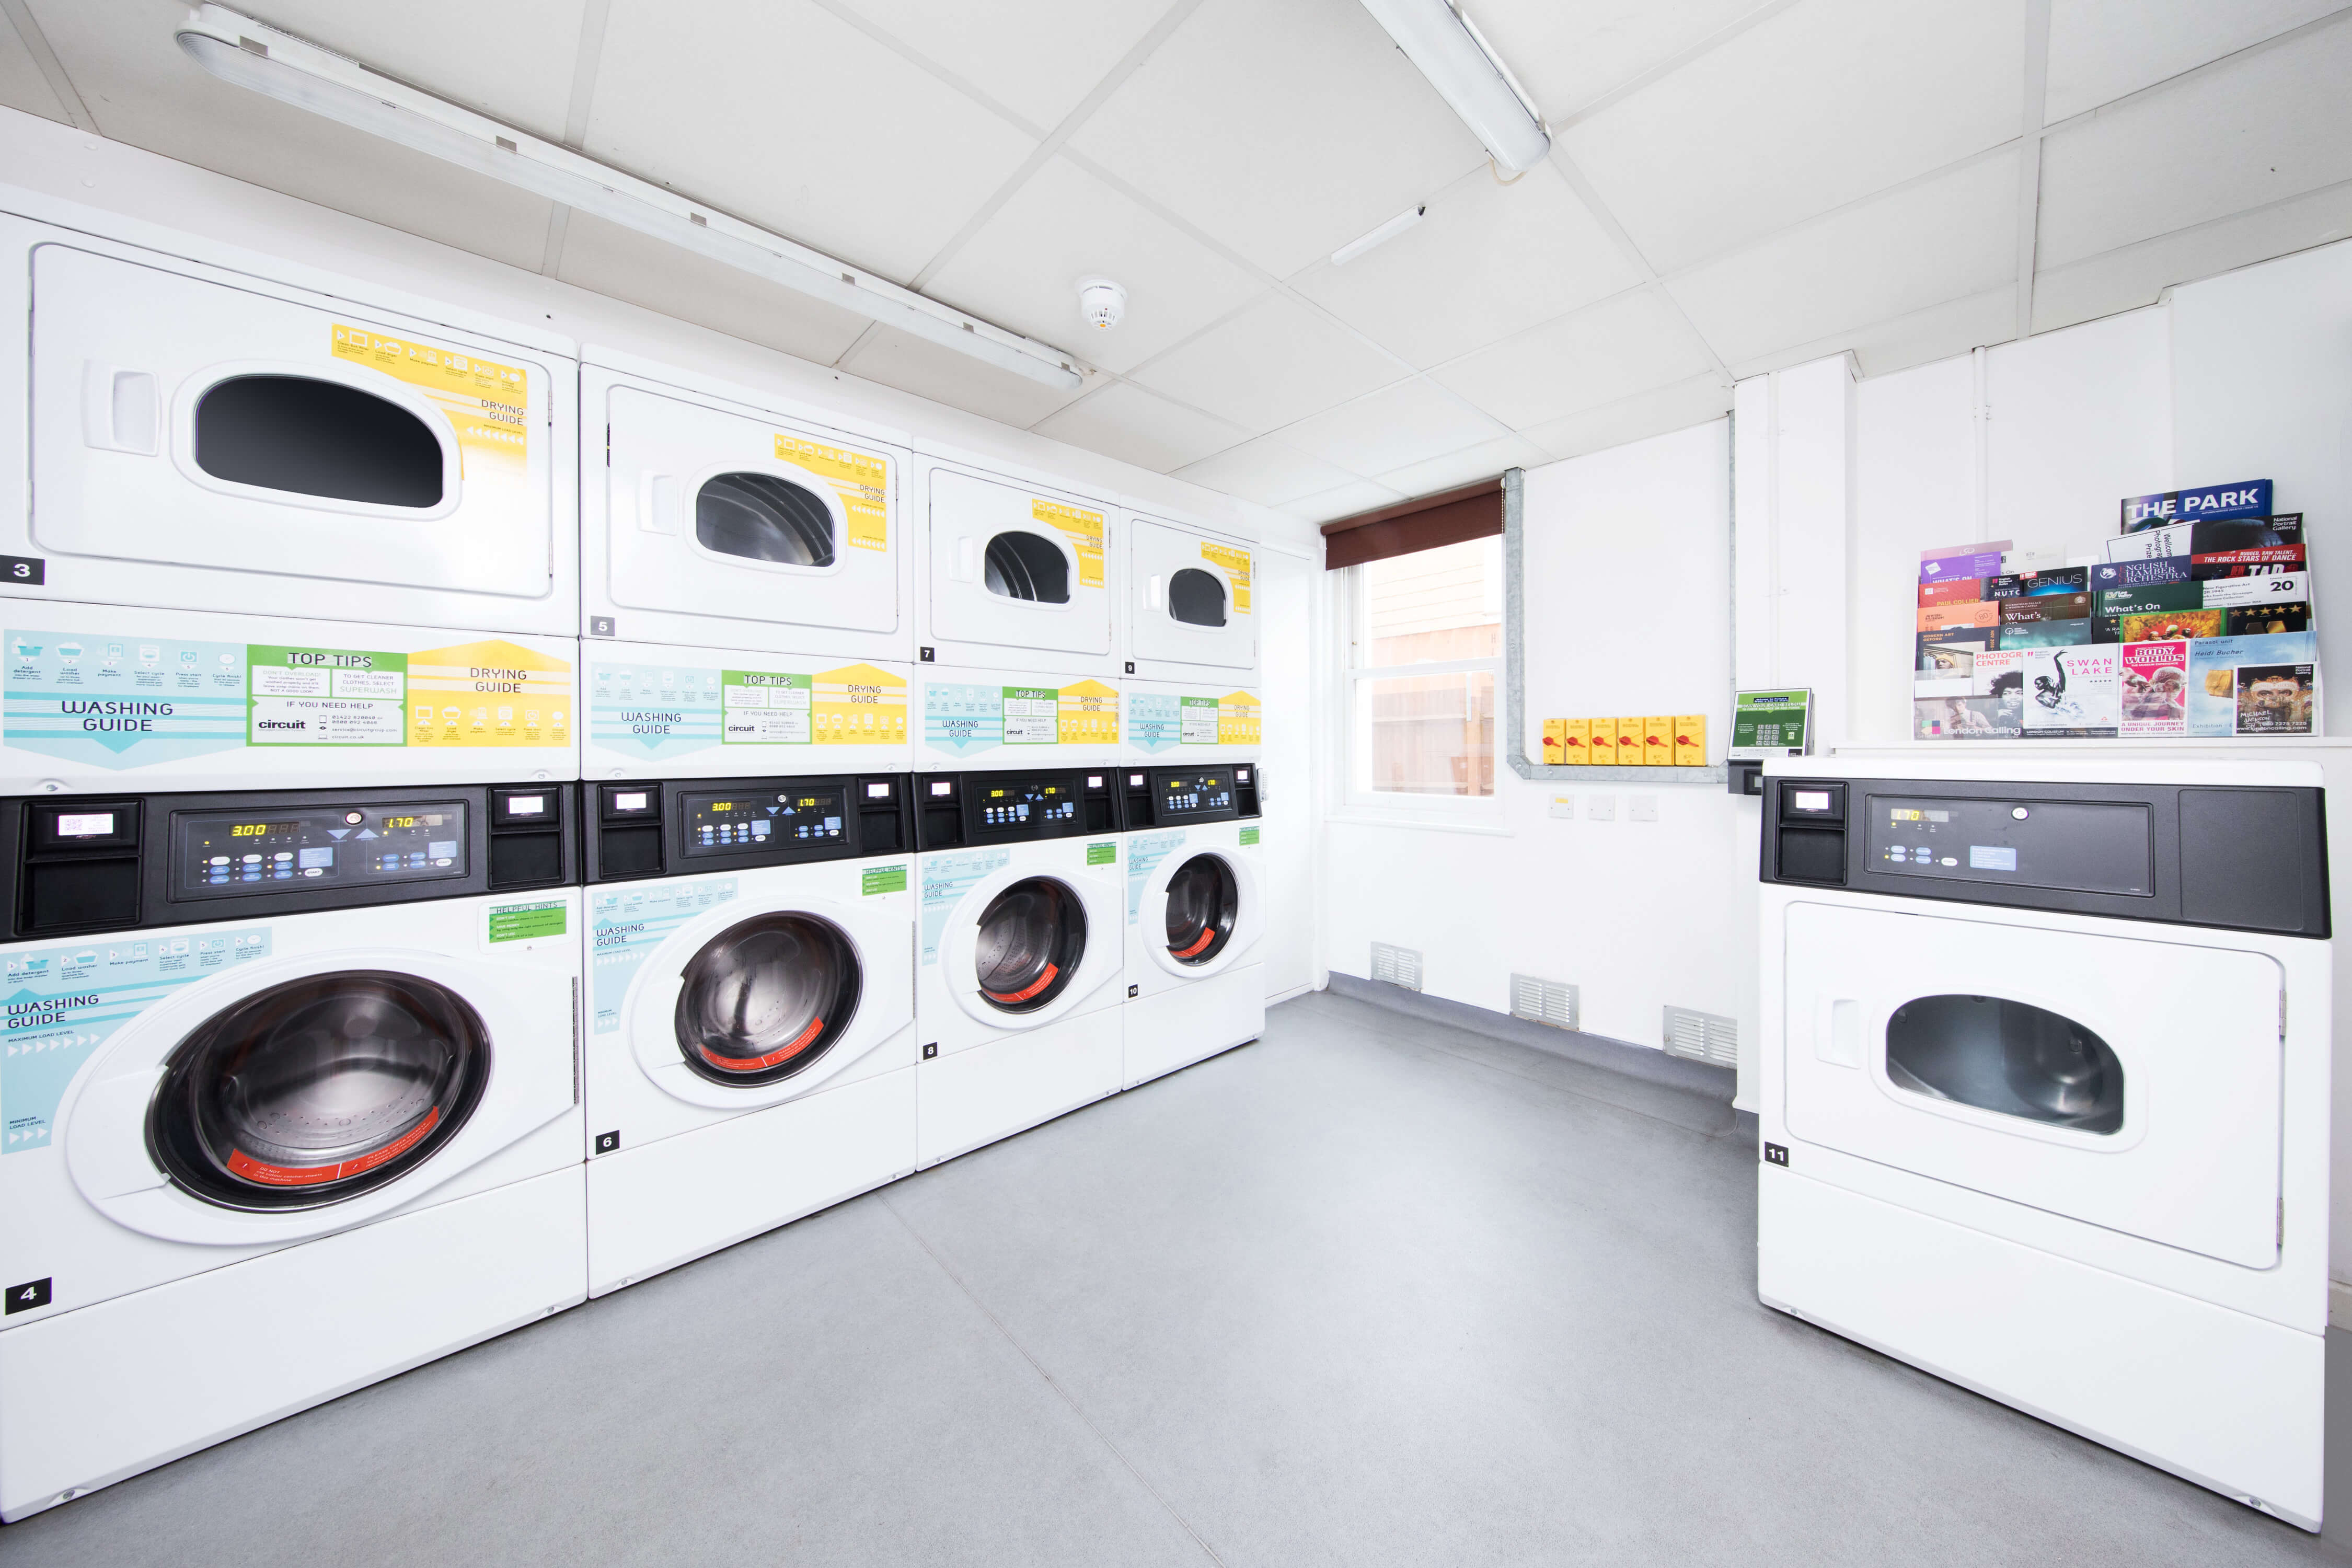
(1238, 720)
(488, 403)
(1236, 563)
(1083, 528)
(489, 694)
(858, 705)
(1088, 714)
(862, 481)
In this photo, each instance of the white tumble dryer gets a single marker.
(290, 1095)
(1018, 573)
(751, 1042)
(1195, 915)
(724, 517)
(1018, 988)
(2044, 1091)
(1191, 613)
(205, 430)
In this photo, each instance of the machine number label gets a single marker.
(25, 1296)
(27, 571)
(1776, 1154)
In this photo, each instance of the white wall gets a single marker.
(1285, 593)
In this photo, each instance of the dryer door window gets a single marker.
(2009, 1057)
(318, 1089)
(1203, 901)
(311, 437)
(766, 997)
(762, 517)
(1027, 566)
(1031, 938)
(1196, 597)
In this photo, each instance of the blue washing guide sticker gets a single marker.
(964, 719)
(946, 880)
(63, 1003)
(1155, 720)
(660, 709)
(97, 700)
(1991, 858)
(625, 925)
(1144, 853)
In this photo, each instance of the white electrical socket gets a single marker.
(1599, 808)
(1640, 808)
(1564, 807)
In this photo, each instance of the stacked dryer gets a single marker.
(286, 827)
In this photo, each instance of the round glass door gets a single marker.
(318, 1089)
(766, 997)
(759, 517)
(1203, 901)
(2009, 1057)
(1197, 598)
(1031, 936)
(1024, 567)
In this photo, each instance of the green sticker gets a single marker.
(1249, 834)
(1102, 854)
(886, 879)
(518, 923)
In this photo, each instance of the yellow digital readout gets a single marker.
(997, 795)
(1904, 813)
(810, 800)
(391, 822)
(722, 806)
(248, 830)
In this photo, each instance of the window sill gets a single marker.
(1432, 824)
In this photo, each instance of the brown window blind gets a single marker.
(1473, 511)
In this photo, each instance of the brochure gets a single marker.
(2267, 681)
(2033, 584)
(2267, 560)
(2164, 569)
(2073, 690)
(2267, 620)
(2246, 497)
(2045, 607)
(2078, 632)
(2267, 588)
(1951, 617)
(2155, 689)
(2149, 601)
(1959, 591)
(2171, 626)
(2207, 537)
(1978, 561)
(1962, 719)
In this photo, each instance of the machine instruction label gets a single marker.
(521, 922)
(964, 720)
(488, 403)
(1144, 853)
(946, 878)
(1236, 564)
(662, 709)
(882, 879)
(626, 924)
(1082, 527)
(63, 1003)
(1160, 721)
(861, 479)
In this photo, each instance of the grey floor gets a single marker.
(1372, 1291)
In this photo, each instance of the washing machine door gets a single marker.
(711, 512)
(294, 1098)
(1026, 946)
(2130, 1083)
(180, 421)
(1202, 910)
(1192, 600)
(1017, 568)
(752, 1004)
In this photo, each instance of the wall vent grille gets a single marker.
(1702, 1036)
(1397, 965)
(1552, 1002)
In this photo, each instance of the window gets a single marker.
(1425, 661)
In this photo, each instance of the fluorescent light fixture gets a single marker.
(278, 64)
(1469, 76)
(1380, 236)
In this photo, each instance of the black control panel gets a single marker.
(2237, 858)
(652, 827)
(92, 865)
(957, 809)
(1163, 797)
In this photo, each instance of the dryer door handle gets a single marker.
(1837, 1031)
(1155, 593)
(118, 409)
(967, 560)
(657, 503)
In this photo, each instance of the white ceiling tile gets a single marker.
(1038, 63)
(142, 90)
(1394, 428)
(1817, 107)
(1021, 270)
(1937, 240)
(2256, 129)
(1601, 354)
(1483, 461)
(1654, 413)
(1486, 261)
(1275, 362)
(788, 117)
(1567, 56)
(1265, 471)
(625, 265)
(1285, 131)
(1129, 424)
(934, 370)
(1342, 501)
(2136, 274)
(2101, 50)
(512, 62)
(22, 85)
(1940, 331)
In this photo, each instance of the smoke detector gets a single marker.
(1101, 301)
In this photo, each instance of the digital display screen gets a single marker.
(526, 805)
(225, 855)
(86, 824)
(2091, 847)
(1207, 793)
(761, 819)
(1033, 803)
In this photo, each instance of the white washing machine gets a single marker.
(1190, 615)
(2043, 1086)
(205, 430)
(1018, 572)
(290, 1105)
(1001, 718)
(654, 709)
(103, 698)
(751, 1041)
(1188, 723)
(719, 519)
(1195, 915)
(1018, 990)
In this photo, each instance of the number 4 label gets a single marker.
(25, 1296)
